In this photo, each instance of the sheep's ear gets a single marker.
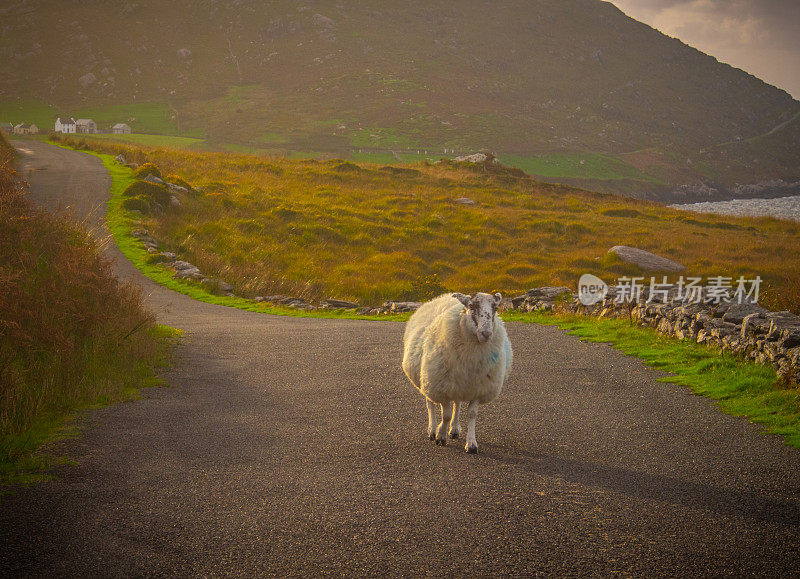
(498, 297)
(463, 299)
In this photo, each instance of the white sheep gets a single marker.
(457, 350)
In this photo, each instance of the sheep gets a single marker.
(456, 350)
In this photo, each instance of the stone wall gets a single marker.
(745, 329)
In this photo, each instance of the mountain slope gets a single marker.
(519, 76)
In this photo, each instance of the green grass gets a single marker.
(576, 165)
(150, 140)
(150, 117)
(740, 388)
(27, 111)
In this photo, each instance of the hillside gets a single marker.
(319, 229)
(516, 77)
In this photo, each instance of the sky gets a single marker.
(761, 37)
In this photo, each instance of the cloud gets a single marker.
(759, 36)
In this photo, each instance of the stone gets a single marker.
(401, 307)
(177, 188)
(182, 265)
(87, 79)
(341, 304)
(174, 201)
(474, 158)
(465, 201)
(184, 53)
(168, 255)
(217, 286)
(120, 159)
(738, 312)
(548, 293)
(153, 179)
(646, 260)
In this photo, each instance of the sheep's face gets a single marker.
(480, 314)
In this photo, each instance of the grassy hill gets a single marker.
(319, 229)
(521, 78)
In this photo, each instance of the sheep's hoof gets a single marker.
(472, 449)
(454, 434)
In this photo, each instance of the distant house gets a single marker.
(6, 128)
(25, 129)
(85, 126)
(121, 129)
(65, 126)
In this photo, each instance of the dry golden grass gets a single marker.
(365, 232)
(70, 333)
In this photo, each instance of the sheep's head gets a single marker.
(481, 313)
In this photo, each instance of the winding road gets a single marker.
(289, 447)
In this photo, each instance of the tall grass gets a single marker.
(70, 334)
(366, 232)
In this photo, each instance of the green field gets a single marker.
(150, 140)
(576, 165)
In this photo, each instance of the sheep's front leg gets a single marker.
(472, 414)
(441, 432)
(455, 422)
(431, 419)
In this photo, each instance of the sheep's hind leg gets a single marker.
(472, 414)
(455, 422)
(431, 418)
(441, 432)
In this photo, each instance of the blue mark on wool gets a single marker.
(493, 357)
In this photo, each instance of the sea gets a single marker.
(781, 207)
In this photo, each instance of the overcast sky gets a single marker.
(761, 37)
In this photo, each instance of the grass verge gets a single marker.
(740, 388)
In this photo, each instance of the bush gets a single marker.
(427, 288)
(177, 180)
(70, 333)
(147, 169)
(138, 203)
(151, 191)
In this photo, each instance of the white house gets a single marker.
(86, 126)
(121, 129)
(65, 126)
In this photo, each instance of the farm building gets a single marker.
(85, 126)
(65, 126)
(6, 128)
(121, 129)
(25, 129)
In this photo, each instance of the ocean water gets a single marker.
(782, 207)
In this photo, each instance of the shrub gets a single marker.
(177, 180)
(137, 203)
(151, 191)
(147, 169)
(70, 333)
(427, 287)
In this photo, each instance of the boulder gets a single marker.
(644, 259)
(736, 313)
(153, 179)
(465, 201)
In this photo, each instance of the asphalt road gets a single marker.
(297, 447)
